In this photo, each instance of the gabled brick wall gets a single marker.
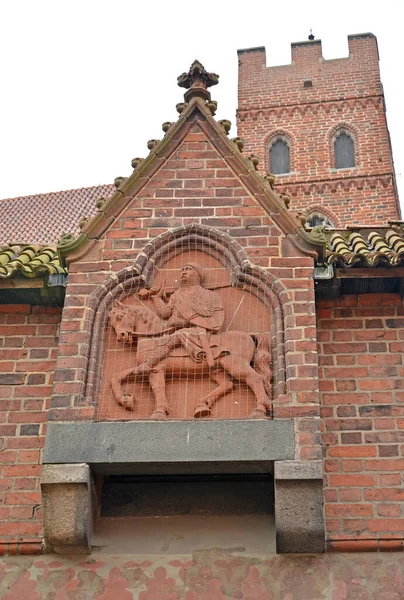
(28, 347)
(197, 179)
(194, 186)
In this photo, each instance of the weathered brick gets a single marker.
(375, 376)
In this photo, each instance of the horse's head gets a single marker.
(122, 320)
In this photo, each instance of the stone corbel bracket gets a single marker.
(69, 508)
(299, 519)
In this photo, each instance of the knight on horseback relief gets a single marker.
(189, 318)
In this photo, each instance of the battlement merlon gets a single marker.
(309, 50)
(309, 78)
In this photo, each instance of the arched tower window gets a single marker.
(316, 218)
(344, 150)
(279, 155)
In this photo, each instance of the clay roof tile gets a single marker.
(43, 218)
(29, 261)
(366, 247)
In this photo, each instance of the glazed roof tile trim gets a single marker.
(345, 248)
(44, 218)
(30, 261)
(366, 247)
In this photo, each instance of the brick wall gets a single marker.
(361, 343)
(27, 361)
(195, 186)
(346, 92)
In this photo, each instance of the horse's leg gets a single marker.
(157, 380)
(225, 385)
(255, 382)
(243, 371)
(124, 400)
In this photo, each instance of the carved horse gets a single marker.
(245, 358)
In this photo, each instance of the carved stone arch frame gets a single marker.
(290, 138)
(243, 274)
(320, 208)
(332, 134)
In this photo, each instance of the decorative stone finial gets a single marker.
(66, 238)
(226, 125)
(83, 222)
(212, 105)
(118, 181)
(152, 144)
(166, 126)
(181, 106)
(239, 143)
(100, 203)
(136, 162)
(254, 160)
(286, 199)
(270, 179)
(317, 234)
(303, 219)
(197, 81)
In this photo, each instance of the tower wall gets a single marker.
(307, 102)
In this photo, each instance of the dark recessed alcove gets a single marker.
(174, 495)
(221, 514)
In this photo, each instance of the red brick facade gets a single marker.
(194, 186)
(27, 363)
(360, 342)
(344, 93)
(337, 364)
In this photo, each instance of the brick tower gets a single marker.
(320, 125)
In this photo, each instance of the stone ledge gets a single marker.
(299, 469)
(108, 444)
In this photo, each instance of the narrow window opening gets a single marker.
(279, 156)
(317, 218)
(344, 150)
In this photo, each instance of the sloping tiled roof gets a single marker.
(30, 261)
(366, 247)
(42, 219)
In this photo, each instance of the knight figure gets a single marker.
(192, 314)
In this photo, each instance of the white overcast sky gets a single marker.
(85, 84)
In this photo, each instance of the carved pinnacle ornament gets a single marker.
(136, 162)
(226, 125)
(197, 81)
(118, 181)
(302, 218)
(286, 199)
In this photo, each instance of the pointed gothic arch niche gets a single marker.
(253, 300)
(317, 214)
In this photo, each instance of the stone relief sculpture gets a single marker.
(190, 318)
